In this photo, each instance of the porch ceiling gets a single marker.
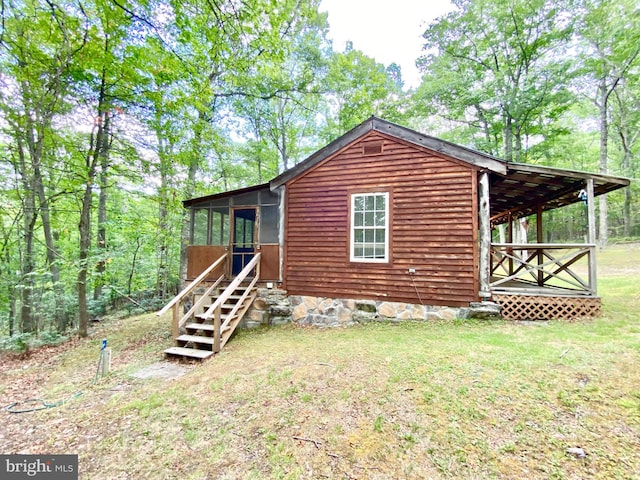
(524, 187)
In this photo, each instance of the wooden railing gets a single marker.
(215, 310)
(543, 268)
(179, 299)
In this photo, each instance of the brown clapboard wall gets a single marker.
(434, 226)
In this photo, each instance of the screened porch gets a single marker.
(241, 223)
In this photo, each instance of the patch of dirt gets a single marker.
(163, 370)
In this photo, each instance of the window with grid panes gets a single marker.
(370, 227)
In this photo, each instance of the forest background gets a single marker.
(112, 112)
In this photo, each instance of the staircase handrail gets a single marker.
(178, 298)
(203, 299)
(239, 303)
(224, 296)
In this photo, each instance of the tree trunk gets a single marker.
(12, 313)
(29, 323)
(102, 213)
(570, 232)
(35, 135)
(627, 139)
(60, 317)
(165, 230)
(7, 273)
(518, 142)
(626, 208)
(85, 243)
(134, 262)
(284, 151)
(163, 227)
(508, 139)
(189, 189)
(603, 93)
(94, 154)
(27, 261)
(185, 229)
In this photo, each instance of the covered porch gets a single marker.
(236, 225)
(538, 280)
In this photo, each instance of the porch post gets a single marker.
(510, 240)
(281, 229)
(591, 235)
(539, 240)
(591, 212)
(484, 214)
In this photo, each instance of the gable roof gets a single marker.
(473, 157)
(227, 194)
(516, 189)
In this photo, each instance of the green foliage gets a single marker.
(497, 67)
(143, 105)
(360, 87)
(527, 81)
(278, 112)
(17, 343)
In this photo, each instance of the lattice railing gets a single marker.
(543, 267)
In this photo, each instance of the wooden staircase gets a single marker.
(200, 340)
(210, 322)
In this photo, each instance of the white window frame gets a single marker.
(352, 256)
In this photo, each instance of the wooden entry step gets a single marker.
(197, 339)
(205, 327)
(188, 352)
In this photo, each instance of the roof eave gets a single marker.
(475, 158)
(598, 178)
(325, 152)
(215, 196)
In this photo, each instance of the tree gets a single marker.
(498, 67)
(104, 94)
(39, 43)
(626, 123)
(359, 87)
(610, 30)
(281, 110)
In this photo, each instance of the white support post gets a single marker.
(591, 212)
(484, 214)
(591, 235)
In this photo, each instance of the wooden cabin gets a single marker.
(388, 215)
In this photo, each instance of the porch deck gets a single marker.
(544, 281)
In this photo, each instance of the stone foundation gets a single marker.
(271, 307)
(333, 312)
(274, 307)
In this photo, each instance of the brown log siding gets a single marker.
(433, 204)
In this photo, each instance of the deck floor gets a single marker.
(518, 287)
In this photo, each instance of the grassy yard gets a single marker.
(381, 401)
